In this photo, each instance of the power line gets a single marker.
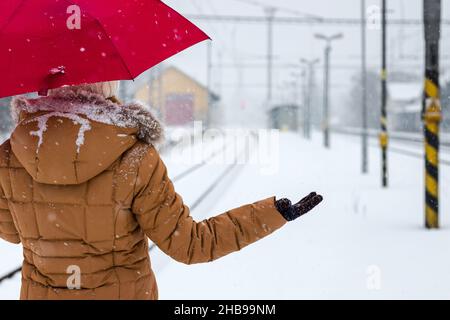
(201, 12)
(282, 9)
(294, 66)
(303, 21)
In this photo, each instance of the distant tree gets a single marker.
(351, 114)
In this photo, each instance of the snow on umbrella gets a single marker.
(46, 44)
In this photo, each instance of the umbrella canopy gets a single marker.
(46, 44)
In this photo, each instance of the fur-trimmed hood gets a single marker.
(77, 100)
(73, 134)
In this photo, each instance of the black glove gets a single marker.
(291, 212)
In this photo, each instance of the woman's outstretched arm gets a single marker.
(167, 221)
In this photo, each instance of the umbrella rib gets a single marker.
(114, 45)
(107, 34)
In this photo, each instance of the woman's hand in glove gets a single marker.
(291, 212)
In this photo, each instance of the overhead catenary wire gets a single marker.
(349, 22)
(281, 9)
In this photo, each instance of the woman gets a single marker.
(82, 187)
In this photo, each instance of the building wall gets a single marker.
(175, 83)
(143, 94)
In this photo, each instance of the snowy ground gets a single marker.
(363, 242)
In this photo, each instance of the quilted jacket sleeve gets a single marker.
(8, 229)
(167, 221)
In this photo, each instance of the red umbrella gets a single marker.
(46, 44)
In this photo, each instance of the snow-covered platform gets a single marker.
(361, 242)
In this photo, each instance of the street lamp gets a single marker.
(292, 86)
(326, 114)
(300, 94)
(270, 13)
(307, 107)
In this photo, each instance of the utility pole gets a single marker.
(209, 82)
(326, 87)
(326, 109)
(310, 64)
(304, 99)
(364, 137)
(305, 83)
(270, 11)
(383, 135)
(432, 110)
(300, 78)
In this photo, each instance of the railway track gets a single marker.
(409, 138)
(394, 136)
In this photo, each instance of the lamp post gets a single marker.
(310, 64)
(384, 139)
(326, 88)
(364, 122)
(270, 12)
(300, 94)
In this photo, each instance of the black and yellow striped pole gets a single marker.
(432, 111)
(384, 134)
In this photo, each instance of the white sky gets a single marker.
(247, 44)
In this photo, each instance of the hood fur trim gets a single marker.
(75, 100)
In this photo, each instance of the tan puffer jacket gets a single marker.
(82, 187)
